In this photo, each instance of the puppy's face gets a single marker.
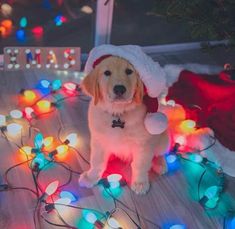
(114, 80)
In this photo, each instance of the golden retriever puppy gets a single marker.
(117, 96)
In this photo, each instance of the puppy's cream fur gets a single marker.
(132, 143)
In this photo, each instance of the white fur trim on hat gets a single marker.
(155, 123)
(150, 72)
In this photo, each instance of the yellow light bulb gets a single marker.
(62, 149)
(187, 126)
(44, 106)
(47, 142)
(26, 150)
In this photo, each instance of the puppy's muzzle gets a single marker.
(119, 90)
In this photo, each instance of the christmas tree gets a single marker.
(210, 19)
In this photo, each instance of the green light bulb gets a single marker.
(23, 22)
(56, 85)
(212, 191)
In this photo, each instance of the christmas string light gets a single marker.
(208, 199)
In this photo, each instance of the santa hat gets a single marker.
(150, 72)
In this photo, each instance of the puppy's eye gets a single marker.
(107, 73)
(129, 71)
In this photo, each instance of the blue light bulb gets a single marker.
(58, 20)
(44, 83)
(232, 223)
(38, 140)
(69, 195)
(171, 158)
(20, 35)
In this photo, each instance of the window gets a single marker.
(134, 22)
(48, 23)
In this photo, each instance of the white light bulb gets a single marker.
(59, 204)
(112, 224)
(16, 114)
(2, 120)
(72, 138)
(180, 140)
(10, 66)
(171, 103)
(52, 187)
(14, 129)
(87, 10)
(66, 65)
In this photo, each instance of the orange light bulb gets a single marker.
(2, 31)
(62, 149)
(26, 150)
(47, 142)
(7, 23)
(44, 106)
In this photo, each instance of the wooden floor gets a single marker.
(167, 202)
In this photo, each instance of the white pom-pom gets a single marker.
(155, 123)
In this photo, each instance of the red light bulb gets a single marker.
(70, 87)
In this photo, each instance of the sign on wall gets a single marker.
(62, 58)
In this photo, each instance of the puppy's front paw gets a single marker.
(140, 187)
(87, 181)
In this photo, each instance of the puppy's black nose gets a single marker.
(119, 90)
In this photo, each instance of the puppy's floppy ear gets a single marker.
(90, 85)
(139, 92)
